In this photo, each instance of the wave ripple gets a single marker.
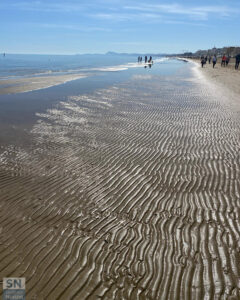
(131, 192)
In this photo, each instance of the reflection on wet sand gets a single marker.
(130, 192)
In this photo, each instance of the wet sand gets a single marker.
(130, 192)
(20, 85)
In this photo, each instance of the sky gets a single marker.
(133, 26)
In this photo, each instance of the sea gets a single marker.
(22, 65)
(18, 65)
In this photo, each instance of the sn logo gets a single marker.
(13, 283)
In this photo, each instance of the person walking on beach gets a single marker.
(228, 59)
(237, 61)
(203, 61)
(224, 58)
(214, 60)
(145, 59)
(209, 59)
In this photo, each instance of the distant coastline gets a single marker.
(231, 51)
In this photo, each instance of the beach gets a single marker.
(130, 191)
(225, 77)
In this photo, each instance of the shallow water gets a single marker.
(18, 111)
(16, 65)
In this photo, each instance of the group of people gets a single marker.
(209, 59)
(145, 59)
(224, 62)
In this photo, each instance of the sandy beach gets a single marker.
(224, 77)
(128, 192)
(21, 85)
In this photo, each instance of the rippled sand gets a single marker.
(131, 192)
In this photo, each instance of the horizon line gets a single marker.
(71, 54)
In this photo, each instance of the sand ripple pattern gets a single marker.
(131, 192)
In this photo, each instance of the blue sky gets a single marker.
(98, 26)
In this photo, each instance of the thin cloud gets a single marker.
(117, 11)
(126, 16)
(150, 18)
(107, 9)
(47, 6)
(199, 12)
(166, 13)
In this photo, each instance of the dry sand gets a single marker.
(131, 192)
(20, 85)
(224, 77)
(227, 77)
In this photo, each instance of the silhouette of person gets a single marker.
(214, 60)
(237, 61)
(224, 58)
(227, 60)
